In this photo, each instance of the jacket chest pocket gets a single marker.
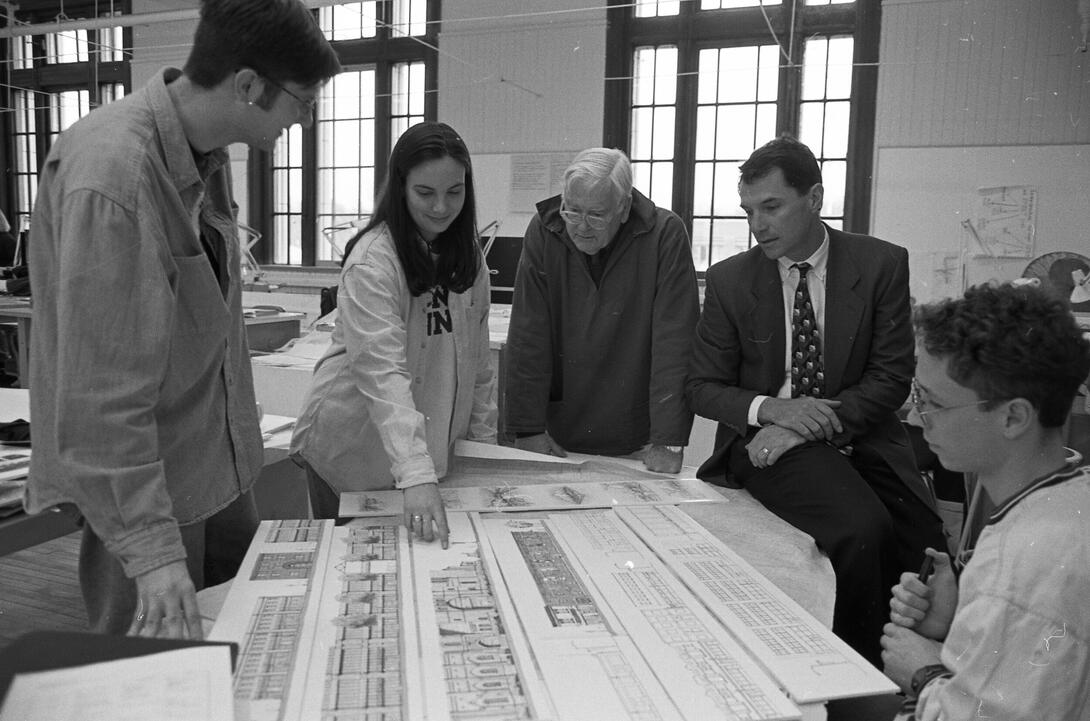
(201, 321)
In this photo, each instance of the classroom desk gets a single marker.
(281, 495)
(264, 333)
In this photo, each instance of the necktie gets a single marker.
(807, 370)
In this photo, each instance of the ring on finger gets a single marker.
(764, 451)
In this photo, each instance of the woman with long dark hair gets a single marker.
(407, 372)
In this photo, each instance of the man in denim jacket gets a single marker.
(142, 399)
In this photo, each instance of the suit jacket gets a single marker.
(739, 349)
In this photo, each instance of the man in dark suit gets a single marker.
(803, 354)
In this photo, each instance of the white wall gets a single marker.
(975, 94)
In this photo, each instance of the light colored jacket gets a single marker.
(1019, 644)
(360, 428)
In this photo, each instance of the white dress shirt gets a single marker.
(789, 278)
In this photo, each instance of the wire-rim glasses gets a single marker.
(916, 398)
(308, 105)
(597, 222)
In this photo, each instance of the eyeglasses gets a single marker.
(597, 222)
(916, 398)
(307, 105)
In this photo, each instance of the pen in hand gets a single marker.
(926, 569)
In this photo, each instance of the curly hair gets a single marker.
(1007, 342)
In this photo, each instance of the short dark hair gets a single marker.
(1005, 342)
(459, 252)
(800, 167)
(279, 39)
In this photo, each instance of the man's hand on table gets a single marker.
(423, 509)
(541, 443)
(166, 605)
(814, 419)
(661, 459)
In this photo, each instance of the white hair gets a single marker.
(599, 164)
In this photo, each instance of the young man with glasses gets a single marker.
(144, 413)
(604, 307)
(1008, 635)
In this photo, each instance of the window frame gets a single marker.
(693, 30)
(382, 52)
(50, 78)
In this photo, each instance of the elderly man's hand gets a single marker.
(541, 443)
(661, 459)
(770, 443)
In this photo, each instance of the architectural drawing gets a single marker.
(545, 496)
(611, 614)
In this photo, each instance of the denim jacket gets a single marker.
(142, 399)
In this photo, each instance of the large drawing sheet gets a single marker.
(572, 653)
(267, 613)
(602, 612)
(547, 496)
(809, 662)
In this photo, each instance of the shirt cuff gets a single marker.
(754, 406)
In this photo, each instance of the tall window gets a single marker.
(695, 86)
(326, 177)
(54, 80)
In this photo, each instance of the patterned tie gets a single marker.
(807, 370)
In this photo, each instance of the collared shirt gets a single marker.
(815, 281)
(142, 400)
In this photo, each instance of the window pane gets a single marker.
(666, 76)
(768, 76)
(66, 47)
(729, 237)
(410, 17)
(641, 176)
(737, 74)
(726, 188)
(702, 188)
(642, 132)
(22, 52)
(705, 133)
(717, 4)
(702, 242)
(663, 146)
(662, 184)
(643, 82)
(814, 62)
(835, 143)
(839, 84)
(346, 151)
(657, 8)
(811, 124)
(350, 21)
(833, 179)
(735, 131)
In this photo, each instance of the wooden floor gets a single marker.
(39, 590)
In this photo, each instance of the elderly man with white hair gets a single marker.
(604, 308)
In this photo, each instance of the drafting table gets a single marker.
(264, 332)
(22, 530)
(328, 625)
